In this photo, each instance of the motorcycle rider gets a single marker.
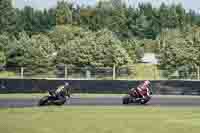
(64, 88)
(143, 89)
(61, 92)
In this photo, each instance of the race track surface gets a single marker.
(108, 101)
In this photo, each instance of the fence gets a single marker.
(133, 72)
(163, 87)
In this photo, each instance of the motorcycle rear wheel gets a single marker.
(126, 100)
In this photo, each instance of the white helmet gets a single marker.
(66, 84)
(146, 82)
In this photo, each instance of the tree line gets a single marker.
(125, 21)
(102, 35)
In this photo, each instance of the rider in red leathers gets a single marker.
(141, 94)
(143, 89)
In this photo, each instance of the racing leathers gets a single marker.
(143, 89)
(60, 93)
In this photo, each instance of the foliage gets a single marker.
(181, 49)
(42, 54)
(131, 47)
(125, 21)
(7, 17)
(33, 53)
(60, 35)
(4, 41)
(68, 45)
(35, 21)
(106, 34)
(63, 13)
(17, 51)
(2, 59)
(86, 48)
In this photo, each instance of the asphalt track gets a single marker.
(108, 101)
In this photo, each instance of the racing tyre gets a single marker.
(144, 101)
(43, 101)
(125, 100)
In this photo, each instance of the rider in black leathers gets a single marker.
(60, 93)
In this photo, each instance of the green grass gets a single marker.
(146, 71)
(100, 120)
(6, 74)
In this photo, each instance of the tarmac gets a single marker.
(164, 101)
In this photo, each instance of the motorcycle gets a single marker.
(52, 100)
(133, 97)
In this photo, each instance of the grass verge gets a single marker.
(100, 120)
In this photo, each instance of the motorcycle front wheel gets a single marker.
(144, 101)
(43, 101)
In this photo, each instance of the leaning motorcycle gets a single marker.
(133, 97)
(51, 100)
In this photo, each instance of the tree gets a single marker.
(35, 54)
(7, 16)
(52, 17)
(131, 48)
(181, 50)
(85, 48)
(4, 41)
(2, 59)
(42, 54)
(63, 13)
(28, 15)
(60, 35)
(111, 50)
(35, 21)
(18, 50)
(67, 42)
(181, 16)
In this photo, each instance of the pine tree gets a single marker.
(7, 16)
(63, 13)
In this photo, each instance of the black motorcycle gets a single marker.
(133, 97)
(52, 99)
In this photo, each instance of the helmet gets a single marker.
(66, 84)
(146, 82)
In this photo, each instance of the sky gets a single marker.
(40, 4)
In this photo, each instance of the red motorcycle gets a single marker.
(135, 97)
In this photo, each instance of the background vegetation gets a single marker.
(109, 33)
